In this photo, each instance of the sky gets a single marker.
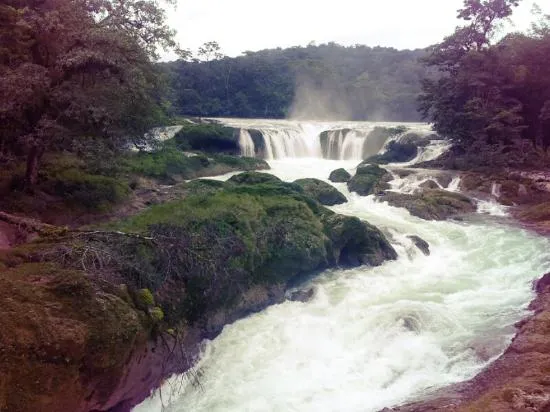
(251, 25)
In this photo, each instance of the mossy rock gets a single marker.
(369, 179)
(204, 186)
(431, 204)
(339, 176)
(321, 191)
(252, 178)
(63, 328)
(354, 242)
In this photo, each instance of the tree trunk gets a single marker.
(33, 164)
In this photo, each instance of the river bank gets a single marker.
(154, 326)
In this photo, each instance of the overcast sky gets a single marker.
(241, 25)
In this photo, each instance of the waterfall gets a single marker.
(281, 139)
(246, 144)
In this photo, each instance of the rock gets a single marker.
(421, 244)
(339, 176)
(404, 172)
(542, 284)
(431, 204)
(252, 178)
(415, 139)
(429, 184)
(301, 295)
(354, 242)
(369, 179)
(321, 191)
(396, 152)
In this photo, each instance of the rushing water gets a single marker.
(373, 337)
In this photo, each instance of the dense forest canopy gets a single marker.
(328, 81)
(491, 97)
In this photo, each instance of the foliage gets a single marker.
(490, 98)
(330, 80)
(77, 74)
(169, 163)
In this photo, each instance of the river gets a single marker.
(371, 337)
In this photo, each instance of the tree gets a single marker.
(463, 98)
(210, 51)
(78, 73)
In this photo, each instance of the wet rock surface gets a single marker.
(431, 204)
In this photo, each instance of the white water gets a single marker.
(246, 143)
(345, 141)
(372, 337)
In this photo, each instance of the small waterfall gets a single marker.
(335, 141)
(454, 186)
(495, 189)
(246, 144)
(347, 144)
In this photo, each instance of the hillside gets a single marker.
(314, 82)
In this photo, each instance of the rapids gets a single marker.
(371, 337)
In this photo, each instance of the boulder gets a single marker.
(355, 242)
(420, 244)
(429, 184)
(369, 179)
(321, 191)
(431, 204)
(301, 295)
(396, 152)
(339, 176)
(252, 178)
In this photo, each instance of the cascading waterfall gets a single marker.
(336, 141)
(371, 337)
(246, 143)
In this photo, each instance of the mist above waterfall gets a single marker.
(319, 100)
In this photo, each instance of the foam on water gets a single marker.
(371, 337)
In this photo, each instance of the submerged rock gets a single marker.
(339, 176)
(321, 191)
(301, 295)
(420, 244)
(369, 179)
(431, 204)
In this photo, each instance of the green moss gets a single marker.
(321, 191)
(369, 179)
(144, 298)
(156, 314)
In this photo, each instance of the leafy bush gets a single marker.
(94, 192)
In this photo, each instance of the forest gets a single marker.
(327, 81)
